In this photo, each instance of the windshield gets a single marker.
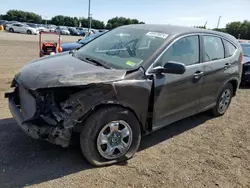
(123, 48)
(246, 49)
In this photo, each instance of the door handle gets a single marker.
(198, 74)
(227, 65)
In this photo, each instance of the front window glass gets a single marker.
(185, 50)
(123, 48)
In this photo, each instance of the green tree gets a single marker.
(57, 20)
(201, 27)
(18, 15)
(96, 24)
(234, 28)
(119, 21)
(237, 29)
(220, 29)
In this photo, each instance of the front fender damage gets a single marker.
(131, 94)
(67, 116)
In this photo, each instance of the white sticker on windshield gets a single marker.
(156, 34)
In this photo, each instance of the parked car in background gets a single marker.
(62, 30)
(82, 31)
(37, 26)
(246, 63)
(13, 21)
(3, 23)
(81, 42)
(51, 28)
(127, 83)
(21, 28)
(73, 31)
(10, 22)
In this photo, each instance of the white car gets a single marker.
(21, 28)
(62, 30)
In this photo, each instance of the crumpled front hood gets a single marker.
(64, 70)
(70, 46)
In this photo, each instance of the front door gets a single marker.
(177, 96)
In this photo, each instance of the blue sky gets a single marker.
(178, 12)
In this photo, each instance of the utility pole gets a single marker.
(90, 21)
(218, 22)
(89, 16)
(205, 25)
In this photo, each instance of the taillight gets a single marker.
(241, 58)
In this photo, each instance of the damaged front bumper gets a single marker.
(54, 134)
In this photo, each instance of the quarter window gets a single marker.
(185, 50)
(213, 48)
(230, 48)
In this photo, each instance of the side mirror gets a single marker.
(170, 67)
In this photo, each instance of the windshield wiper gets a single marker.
(116, 49)
(246, 55)
(97, 62)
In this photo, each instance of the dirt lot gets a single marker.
(195, 152)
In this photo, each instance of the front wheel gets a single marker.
(110, 135)
(11, 30)
(223, 101)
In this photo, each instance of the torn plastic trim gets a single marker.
(55, 135)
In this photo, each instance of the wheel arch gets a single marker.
(235, 85)
(88, 113)
(234, 81)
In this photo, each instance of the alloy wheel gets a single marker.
(114, 139)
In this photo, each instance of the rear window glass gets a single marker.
(213, 48)
(230, 48)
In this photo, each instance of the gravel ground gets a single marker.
(199, 151)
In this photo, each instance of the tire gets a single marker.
(11, 30)
(29, 32)
(225, 97)
(98, 123)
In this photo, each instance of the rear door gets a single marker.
(23, 28)
(177, 96)
(217, 69)
(16, 27)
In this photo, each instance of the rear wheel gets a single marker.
(11, 30)
(223, 100)
(110, 135)
(29, 32)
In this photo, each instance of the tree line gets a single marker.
(22, 16)
(238, 29)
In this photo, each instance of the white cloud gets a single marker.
(190, 18)
(168, 21)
